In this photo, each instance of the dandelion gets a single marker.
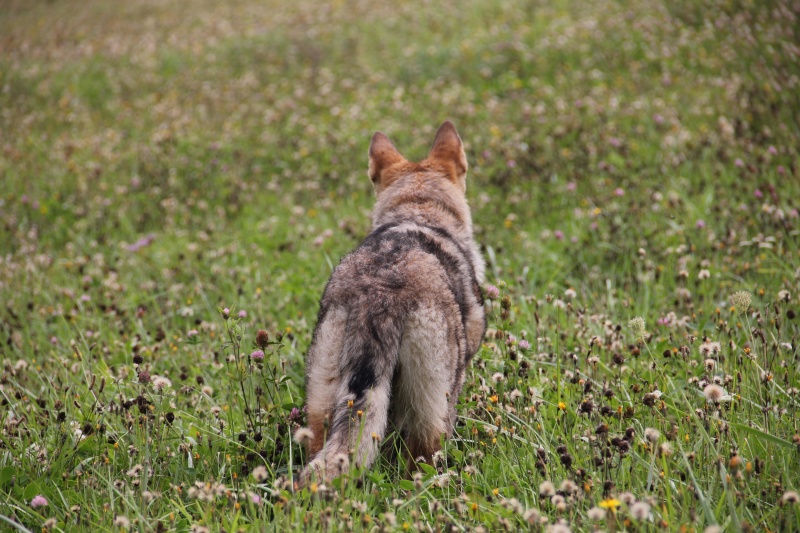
(741, 301)
(546, 489)
(498, 377)
(610, 503)
(638, 327)
(640, 511)
(39, 501)
(257, 355)
(570, 294)
(303, 436)
(122, 521)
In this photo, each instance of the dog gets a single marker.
(401, 316)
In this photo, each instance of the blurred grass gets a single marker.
(161, 160)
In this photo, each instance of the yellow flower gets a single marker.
(611, 503)
(562, 406)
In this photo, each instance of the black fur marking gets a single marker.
(362, 378)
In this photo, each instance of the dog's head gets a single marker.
(446, 160)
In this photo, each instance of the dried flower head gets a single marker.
(651, 434)
(741, 301)
(260, 473)
(303, 435)
(715, 393)
(637, 326)
(790, 497)
(640, 511)
(262, 339)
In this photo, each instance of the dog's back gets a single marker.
(401, 315)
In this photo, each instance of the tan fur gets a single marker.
(401, 315)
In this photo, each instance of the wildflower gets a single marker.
(619, 191)
(559, 502)
(570, 293)
(341, 461)
(640, 511)
(715, 393)
(257, 355)
(498, 377)
(546, 489)
(303, 435)
(700, 224)
(651, 434)
(710, 364)
(122, 521)
(192, 333)
(492, 292)
(558, 528)
(741, 301)
(160, 382)
(262, 339)
(39, 501)
(610, 503)
(784, 295)
(596, 513)
(703, 274)
(242, 314)
(255, 498)
(144, 378)
(260, 473)
(637, 325)
(226, 313)
(295, 415)
(790, 497)
(710, 348)
(524, 345)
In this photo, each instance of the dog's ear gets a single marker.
(382, 156)
(448, 151)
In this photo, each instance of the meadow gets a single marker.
(176, 176)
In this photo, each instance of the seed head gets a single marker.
(640, 511)
(303, 435)
(262, 339)
(715, 393)
(637, 326)
(741, 301)
(651, 434)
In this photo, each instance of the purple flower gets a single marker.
(295, 415)
(255, 498)
(658, 119)
(780, 169)
(571, 186)
(700, 224)
(39, 501)
(616, 143)
(144, 378)
(492, 292)
(191, 333)
(758, 193)
(511, 163)
(772, 150)
(619, 191)
(524, 345)
(558, 234)
(258, 355)
(242, 314)
(739, 163)
(226, 313)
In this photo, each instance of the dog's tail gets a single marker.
(360, 410)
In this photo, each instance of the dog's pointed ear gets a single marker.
(448, 151)
(382, 156)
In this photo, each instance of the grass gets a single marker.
(164, 161)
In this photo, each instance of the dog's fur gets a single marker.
(401, 316)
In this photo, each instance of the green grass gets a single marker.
(163, 161)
